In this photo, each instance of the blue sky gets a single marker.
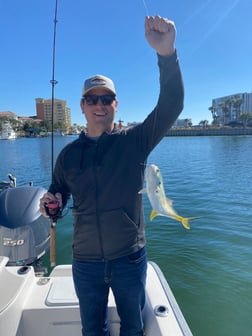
(98, 36)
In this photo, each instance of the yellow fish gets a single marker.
(161, 205)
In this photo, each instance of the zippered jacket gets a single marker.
(105, 176)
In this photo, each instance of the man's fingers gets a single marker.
(158, 23)
(47, 197)
(59, 198)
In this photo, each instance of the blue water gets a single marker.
(209, 268)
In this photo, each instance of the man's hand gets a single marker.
(160, 33)
(46, 198)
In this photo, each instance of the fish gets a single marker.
(161, 205)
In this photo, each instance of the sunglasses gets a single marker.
(93, 99)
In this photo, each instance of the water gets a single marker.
(209, 268)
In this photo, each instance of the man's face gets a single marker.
(100, 115)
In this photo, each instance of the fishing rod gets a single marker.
(52, 208)
(53, 82)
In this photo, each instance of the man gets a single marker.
(103, 170)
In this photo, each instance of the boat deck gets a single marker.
(48, 306)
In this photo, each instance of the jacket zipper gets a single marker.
(96, 203)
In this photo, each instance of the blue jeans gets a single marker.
(126, 277)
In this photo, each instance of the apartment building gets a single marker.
(61, 113)
(229, 108)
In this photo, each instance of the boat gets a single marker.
(11, 183)
(7, 132)
(33, 303)
(48, 306)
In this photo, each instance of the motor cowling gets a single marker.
(24, 232)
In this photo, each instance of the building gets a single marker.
(61, 113)
(229, 108)
(182, 123)
(8, 115)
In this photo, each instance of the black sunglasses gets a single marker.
(93, 99)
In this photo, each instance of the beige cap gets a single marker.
(98, 81)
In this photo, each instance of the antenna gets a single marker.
(53, 82)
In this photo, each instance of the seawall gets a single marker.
(208, 131)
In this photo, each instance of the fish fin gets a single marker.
(153, 214)
(169, 201)
(142, 191)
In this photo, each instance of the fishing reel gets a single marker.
(53, 210)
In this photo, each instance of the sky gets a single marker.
(213, 42)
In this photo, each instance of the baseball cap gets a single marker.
(98, 81)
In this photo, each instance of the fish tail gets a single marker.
(185, 222)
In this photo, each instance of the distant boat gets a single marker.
(7, 132)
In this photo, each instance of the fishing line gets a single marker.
(219, 20)
(146, 8)
(219, 16)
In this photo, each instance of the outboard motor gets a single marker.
(24, 232)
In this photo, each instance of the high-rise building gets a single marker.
(61, 113)
(230, 108)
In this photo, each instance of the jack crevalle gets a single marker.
(161, 205)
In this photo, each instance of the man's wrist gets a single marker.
(166, 53)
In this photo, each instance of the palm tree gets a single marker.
(245, 117)
(203, 123)
(186, 122)
(214, 115)
(226, 108)
(237, 102)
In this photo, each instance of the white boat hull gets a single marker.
(48, 306)
(7, 132)
(8, 136)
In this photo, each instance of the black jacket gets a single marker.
(105, 176)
